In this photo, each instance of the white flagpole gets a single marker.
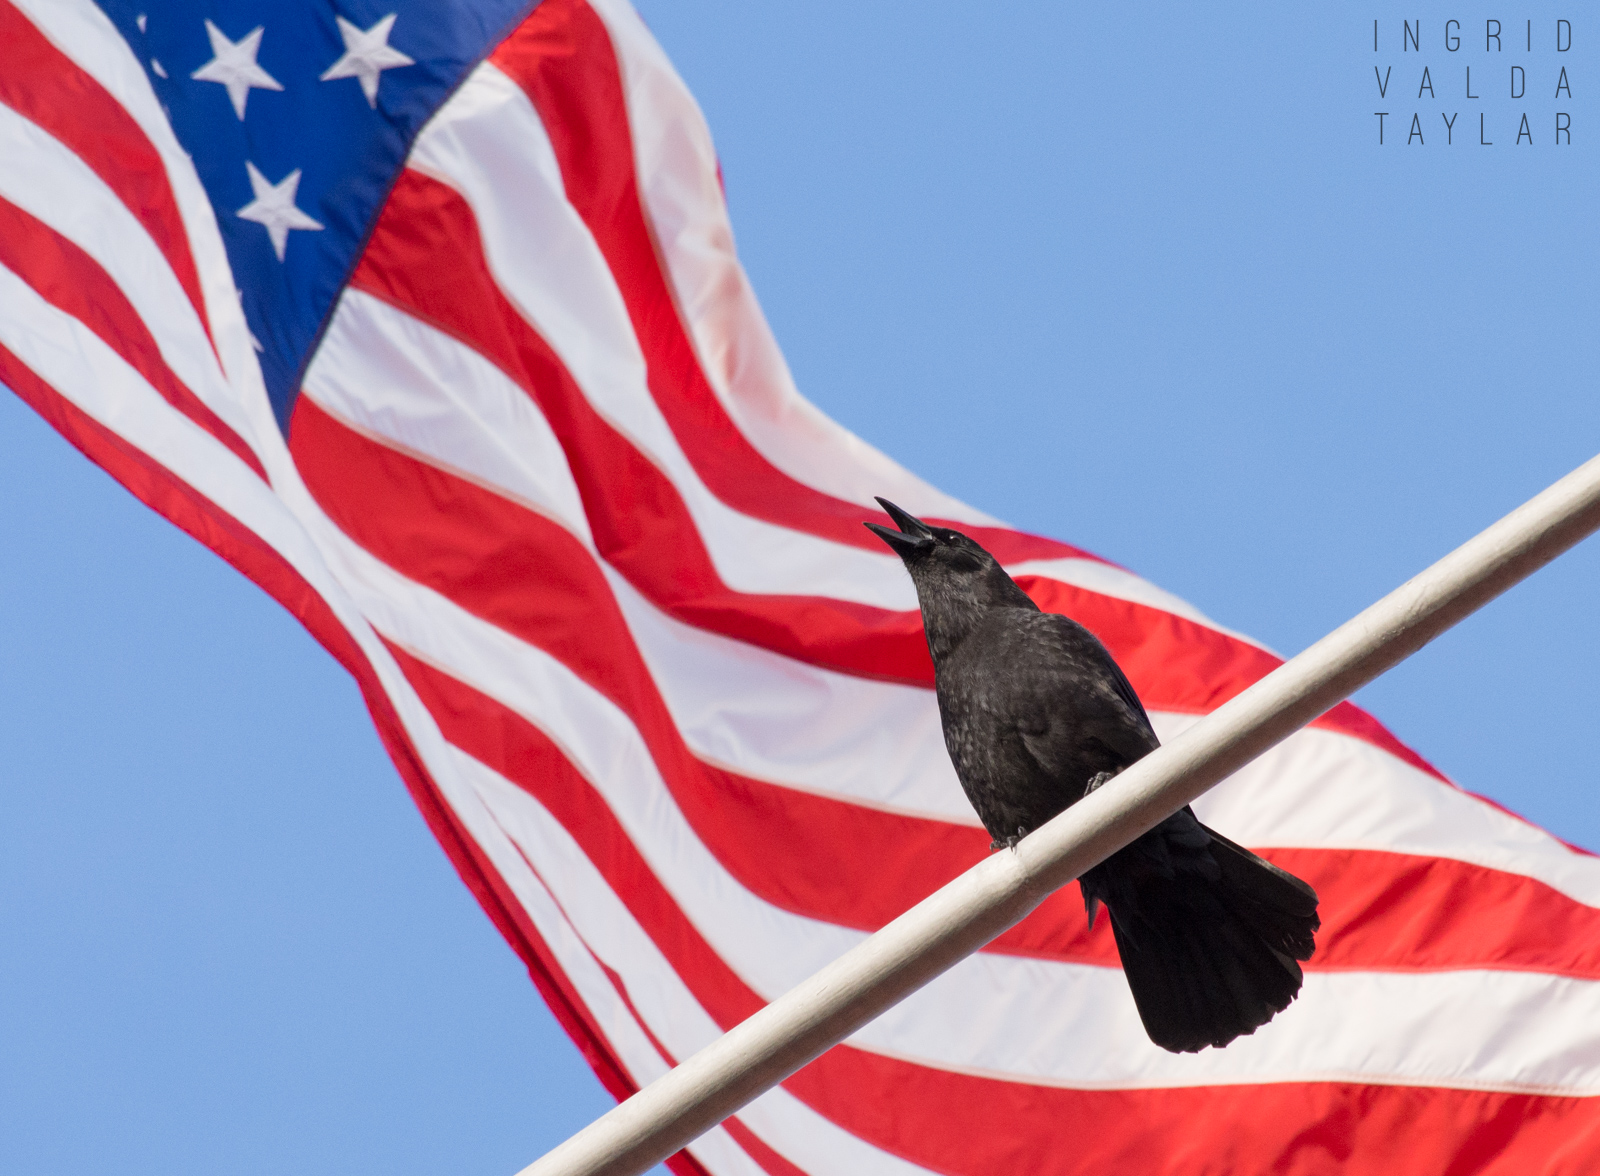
(959, 919)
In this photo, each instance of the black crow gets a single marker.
(1036, 715)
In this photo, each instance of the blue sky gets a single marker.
(1138, 278)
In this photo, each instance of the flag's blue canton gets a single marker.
(298, 131)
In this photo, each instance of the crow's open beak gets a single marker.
(913, 534)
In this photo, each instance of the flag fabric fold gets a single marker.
(483, 397)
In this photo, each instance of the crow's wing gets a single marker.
(1125, 688)
(1074, 708)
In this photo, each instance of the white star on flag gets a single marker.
(274, 208)
(233, 64)
(366, 55)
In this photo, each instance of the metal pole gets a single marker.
(959, 919)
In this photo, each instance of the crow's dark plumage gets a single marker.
(1036, 715)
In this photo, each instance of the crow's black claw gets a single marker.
(1099, 779)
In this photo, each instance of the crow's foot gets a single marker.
(1099, 779)
(1010, 842)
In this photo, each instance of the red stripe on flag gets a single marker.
(200, 518)
(526, 756)
(1403, 912)
(75, 284)
(618, 985)
(45, 86)
(563, 59)
(961, 1123)
(760, 1152)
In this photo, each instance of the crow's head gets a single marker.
(957, 581)
(931, 551)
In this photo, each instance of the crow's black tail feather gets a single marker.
(1210, 954)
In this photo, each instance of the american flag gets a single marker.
(427, 318)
